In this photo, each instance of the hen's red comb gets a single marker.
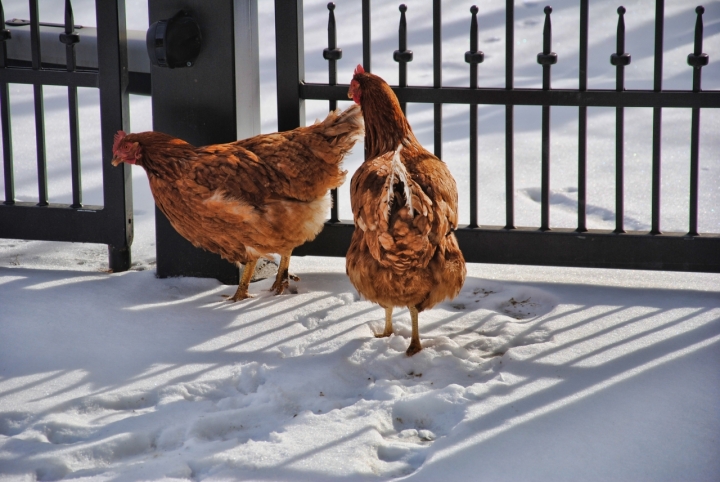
(118, 137)
(359, 70)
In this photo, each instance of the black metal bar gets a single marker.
(509, 115)
(620, 59)
(554, 97)
(332, 54)
(559, 247)
(473, 57)
(546, 58)
(49, 77)
(19, 22)
(115, 116)
(657, 116)
(366, 35)
(39, 106)
(402, 56)
(437, 75)
(582, 119)
(619, 170)
(70, 39)
(9, 176)
(694, 171)
(697, 60)
(290, 62)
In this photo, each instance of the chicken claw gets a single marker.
(282, 281)
(242, 291)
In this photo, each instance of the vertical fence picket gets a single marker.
(657, 115)
(9, 176)
(473, 57)
(620, 59)
(582, 119)
(437, 76)
(70, 38)
(366, 35)
(39, 106)
(546, 58)
(509, 115)
(697, 60)
(332, 54)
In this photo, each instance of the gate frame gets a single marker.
(111, 223)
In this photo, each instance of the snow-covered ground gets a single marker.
(530, 374)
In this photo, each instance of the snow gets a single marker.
(531, 373)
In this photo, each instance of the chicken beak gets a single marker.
(116, 161)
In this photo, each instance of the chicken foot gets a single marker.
(415, 345)
(388, 324)
(282, 281)
(242, 291)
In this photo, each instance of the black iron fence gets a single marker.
(583, 247)
(111, 223)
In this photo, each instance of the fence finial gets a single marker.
(697, 60)
(69, 37)
(473, 56)
(402, 55)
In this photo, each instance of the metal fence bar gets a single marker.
(582, 119)
(546, 58)
(39, 106)
(437, 76)
(657, 116)
(509, 115)
(332, 54)
(473, 57)
(620, 59)
(697, 60)
(70, 38)
(366, 35)
(9, 176)
(522, 96)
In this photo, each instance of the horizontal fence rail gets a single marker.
(111, 223)
(543, 245)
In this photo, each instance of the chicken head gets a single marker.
(124, 150)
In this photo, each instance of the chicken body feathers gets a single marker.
(249, 198)
(405, 253)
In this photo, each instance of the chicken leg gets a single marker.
(388, 324)
(415, 345)
(242, 291)
(282, 281)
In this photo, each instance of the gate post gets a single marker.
(202, 105)
(290, 63)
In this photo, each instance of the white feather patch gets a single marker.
(398, 170)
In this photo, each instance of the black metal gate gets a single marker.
(687, 251)
(110, 223)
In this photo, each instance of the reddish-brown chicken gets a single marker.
(247, 199)
(404, 200)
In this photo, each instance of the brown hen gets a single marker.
(247, 199)
(404, 200)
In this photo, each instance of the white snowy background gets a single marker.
(530, 374)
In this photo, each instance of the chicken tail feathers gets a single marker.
(342, 129)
